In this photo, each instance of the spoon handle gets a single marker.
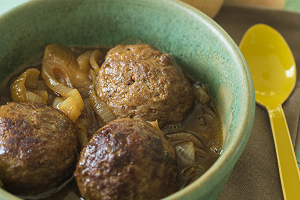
(287, 163)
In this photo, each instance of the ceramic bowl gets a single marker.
(201, 47)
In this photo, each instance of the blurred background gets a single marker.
(210, 7)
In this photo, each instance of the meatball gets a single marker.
(138, 81)
(38, 148)
(127, 159)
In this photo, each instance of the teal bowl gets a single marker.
(202, 48)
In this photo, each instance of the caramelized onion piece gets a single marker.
(48, 68)
(186, 153)
(103, 112)
(179, 137)
(87, 116)
(101, 109)
(18, 89)
(61, 60)
(81, 134)
(34, 98)
(84, 61)
(82, 77)
(82, 80)
(81, 72)
(41, 93)
(93, 76)
(193, 170)
(93, 60)
(69, 107)
(57, 101)
(200, 93)
(78, 68)
(62, 54)
(31, 81)
(175, 138)
(192, 173)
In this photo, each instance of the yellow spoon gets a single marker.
(273, 70)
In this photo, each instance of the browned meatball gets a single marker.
(38, 148)
(138, 81)
(127, 159)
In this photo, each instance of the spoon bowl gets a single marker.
(271, 63)
(273, 70)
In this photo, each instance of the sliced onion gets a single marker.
(193, 170)
(60, 53)
(50, 93)
(48, 67)
(57, 101)
(87, 117)
(78, 68)
(186, 153)
(81, 79)
(93, 60)
(103, 112)
(31, 81)
(70, 108)
(64, 56)
(42, 93)
(84, 61)
(200, 94)
(39, 96)
(81, 73)
(76, 95)
(82, 135)
(175, 138)
(34, 98)
(191, 173)
(101, 109)
(18, 89)
(93, 76)
(80, 76)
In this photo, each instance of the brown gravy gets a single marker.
(203, 121)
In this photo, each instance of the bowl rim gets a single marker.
(246, 122)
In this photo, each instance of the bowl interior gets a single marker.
(200, 46)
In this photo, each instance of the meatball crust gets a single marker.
(138, 81)
(127, 159)
(38, 148)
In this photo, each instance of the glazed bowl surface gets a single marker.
(202, 48)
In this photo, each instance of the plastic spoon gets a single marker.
(273, 70)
